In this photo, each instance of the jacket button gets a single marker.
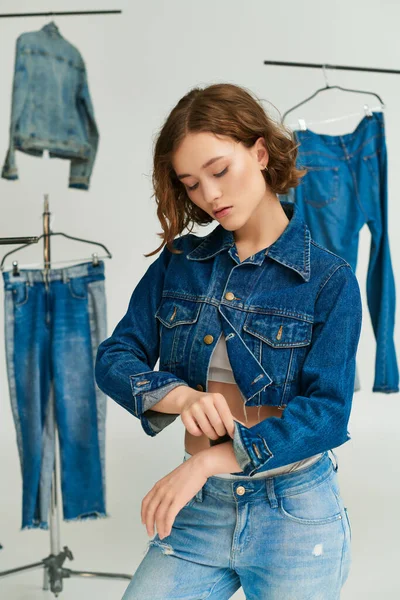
(240, 490)
(229, 296)
(199, 387)
(208, 339)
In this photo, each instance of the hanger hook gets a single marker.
(325, 75)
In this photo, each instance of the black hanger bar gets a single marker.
(19, 240)
(61, 14)
(320, 66)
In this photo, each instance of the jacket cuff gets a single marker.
(251, 451)
(153, 421)
(10, 170)
(79, 183)
(148, 388)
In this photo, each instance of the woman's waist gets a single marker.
(289, 468)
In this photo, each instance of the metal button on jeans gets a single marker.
(240, 490)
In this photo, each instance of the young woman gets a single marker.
(256, 328)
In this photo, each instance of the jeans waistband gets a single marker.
(374, 123)
(86, 269)
(273, 488)
(270, 472)
(367, 137)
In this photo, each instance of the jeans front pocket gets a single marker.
(320, 185)
(190, 502)
(20, 293)
(348, 521)
(77, 288)
(313, 505)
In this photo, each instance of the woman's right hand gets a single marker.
(207, 413)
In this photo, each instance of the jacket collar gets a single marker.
(51, 29)
(292, 248)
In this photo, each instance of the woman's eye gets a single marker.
(193, 187)
(222, 173)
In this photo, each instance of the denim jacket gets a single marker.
(291, 316)
(51, 106)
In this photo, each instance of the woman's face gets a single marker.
(219, 172)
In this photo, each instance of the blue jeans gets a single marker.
(52, 330)
(283, 537)
(346, 187)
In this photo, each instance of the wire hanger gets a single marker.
(95, 257)
(303, 125)
(330, 87)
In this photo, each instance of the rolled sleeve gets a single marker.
(316, 420)
(153, 421)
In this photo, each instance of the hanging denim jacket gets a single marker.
(291, 316)
(51, 105)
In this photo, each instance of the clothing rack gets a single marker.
(325, 66)
(61, 14)
(54, 572)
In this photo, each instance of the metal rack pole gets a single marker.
(60, 14)
(282, 63)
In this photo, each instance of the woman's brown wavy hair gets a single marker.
(222, 109)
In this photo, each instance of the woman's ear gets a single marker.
(261, 152)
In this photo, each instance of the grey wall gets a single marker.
(139, 65)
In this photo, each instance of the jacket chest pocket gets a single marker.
(177, 321)
(280, 343)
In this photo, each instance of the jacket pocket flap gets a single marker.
(279, 330)
(174, 311)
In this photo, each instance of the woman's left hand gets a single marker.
(168, 496)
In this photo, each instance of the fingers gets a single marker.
(157, 513)
(225, 414)
(149, 507)
(190, 424)
(204, 421)
(209, 415)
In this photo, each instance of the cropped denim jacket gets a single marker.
(51, 106)
(291, 316)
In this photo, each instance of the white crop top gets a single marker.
(220, 367)
(220, 370)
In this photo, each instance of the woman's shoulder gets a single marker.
(324, 262)
(334, 275)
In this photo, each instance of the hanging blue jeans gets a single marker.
(53, 326)
(346, 187)
(283, 537)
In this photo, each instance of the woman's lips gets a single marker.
(222, 213)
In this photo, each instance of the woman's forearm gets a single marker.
(173, 401)
(218, 459)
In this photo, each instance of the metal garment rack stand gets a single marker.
(54, 572)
